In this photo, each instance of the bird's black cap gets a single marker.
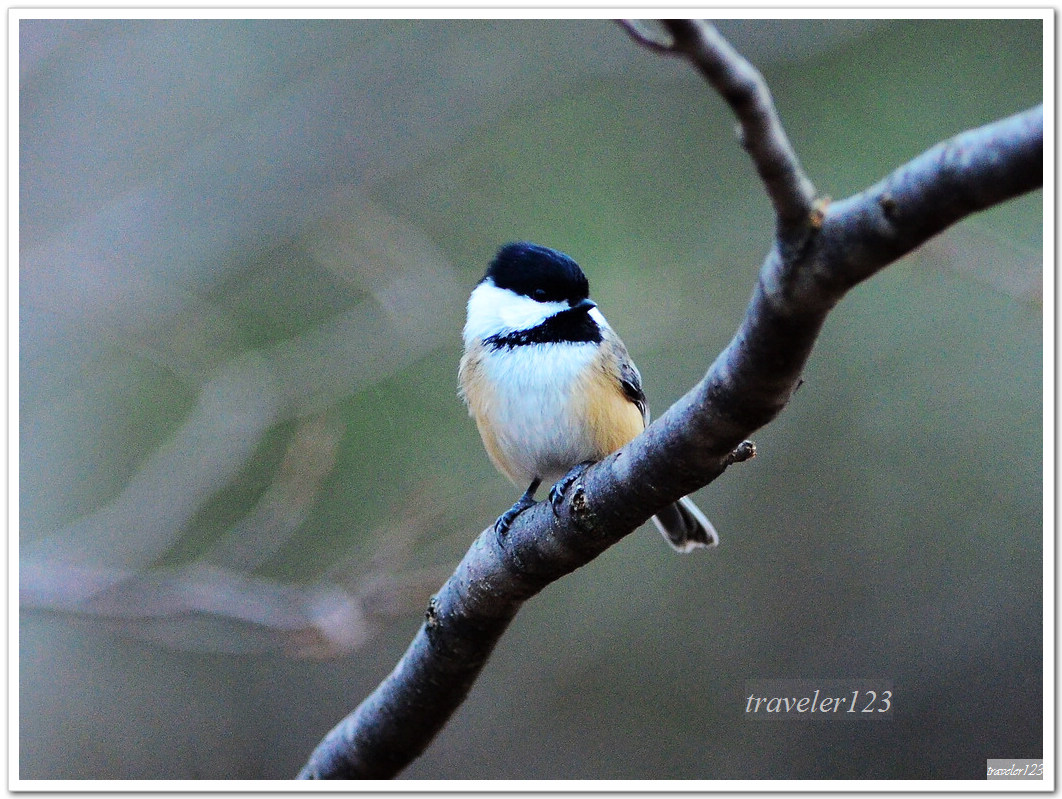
(538, 272)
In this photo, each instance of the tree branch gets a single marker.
(819, 254)
(762, 134)
(760, 129)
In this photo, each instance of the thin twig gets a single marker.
(762, 134)
(637, 32)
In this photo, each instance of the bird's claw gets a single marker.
(504, 522)
(560, 488)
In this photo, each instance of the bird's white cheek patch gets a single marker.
(599, 317)
(523, 313)
(493, 311)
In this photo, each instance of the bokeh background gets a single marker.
(245, 248)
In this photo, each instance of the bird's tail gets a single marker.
(685, 527)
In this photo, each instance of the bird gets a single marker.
(551, 386)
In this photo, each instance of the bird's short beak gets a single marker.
(584, 305)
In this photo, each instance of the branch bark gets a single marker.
(821, 251)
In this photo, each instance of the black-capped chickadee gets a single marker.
(550, 384)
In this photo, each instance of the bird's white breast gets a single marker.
(526, 401)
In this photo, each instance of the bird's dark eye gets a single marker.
(539, 295)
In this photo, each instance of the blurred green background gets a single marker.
(245, 250)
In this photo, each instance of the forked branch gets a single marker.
(820, 252)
